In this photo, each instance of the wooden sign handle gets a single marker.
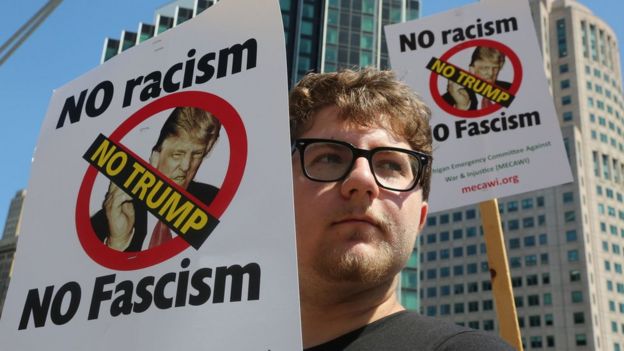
(499, 272)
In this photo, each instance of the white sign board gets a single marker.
(130, 147)
(495, 129)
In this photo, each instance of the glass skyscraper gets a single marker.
(321, 35)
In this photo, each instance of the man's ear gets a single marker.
(154, 158)
(424, 209)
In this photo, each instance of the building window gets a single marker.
(458, 270)
(431, 311)
(564, 68)
(444, 254)
(569, 216)
(532, 279)
(457, 216)
(444, 219)
(458, 234)
(577, 296)
(540, 201)
(528, 222)
(445, 272)
(536, 342)
(578, 318)
(566, 100)
(533, 300)
(514, 243)
(488, 324)
(565, 84)
(444, 236)
(513, 224)
(471, 214)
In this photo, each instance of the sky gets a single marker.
(69, 44)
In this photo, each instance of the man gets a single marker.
(187, 136)
(485, 63)
(361, 174)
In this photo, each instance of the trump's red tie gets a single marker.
(160, 235)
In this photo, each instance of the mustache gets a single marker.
(349, 213)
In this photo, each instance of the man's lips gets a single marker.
(357, 220)
(179, 179)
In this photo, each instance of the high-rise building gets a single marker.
(565, 244)
(321, 35)
(9, 241)
(14, 216)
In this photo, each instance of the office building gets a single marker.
(9, 241)
(14, 216)
(565, 245)
(321, 36)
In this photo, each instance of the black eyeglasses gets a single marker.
(326, 160)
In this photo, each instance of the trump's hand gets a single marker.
(460, 95)
(120, 215)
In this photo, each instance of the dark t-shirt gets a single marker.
(410, 331)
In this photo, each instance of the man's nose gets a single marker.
(360, 180)
(185, 162)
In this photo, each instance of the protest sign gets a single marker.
(146, 225)
(495, 129)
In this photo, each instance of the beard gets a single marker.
(388, 250)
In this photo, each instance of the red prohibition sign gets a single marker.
(508, 52)
(237, 137)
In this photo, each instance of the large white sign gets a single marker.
(146, 225)
(495, 129)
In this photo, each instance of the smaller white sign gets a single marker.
(495, 129)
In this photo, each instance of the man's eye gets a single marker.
(328, 158)
(390, 166)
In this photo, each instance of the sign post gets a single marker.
(499, 273)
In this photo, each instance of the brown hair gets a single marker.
(196, 123)
(487, 54)
(367, 97)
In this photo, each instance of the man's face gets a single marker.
(353, 230)
(486, 69)
(179, 158)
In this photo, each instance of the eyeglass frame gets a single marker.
(423, 158)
